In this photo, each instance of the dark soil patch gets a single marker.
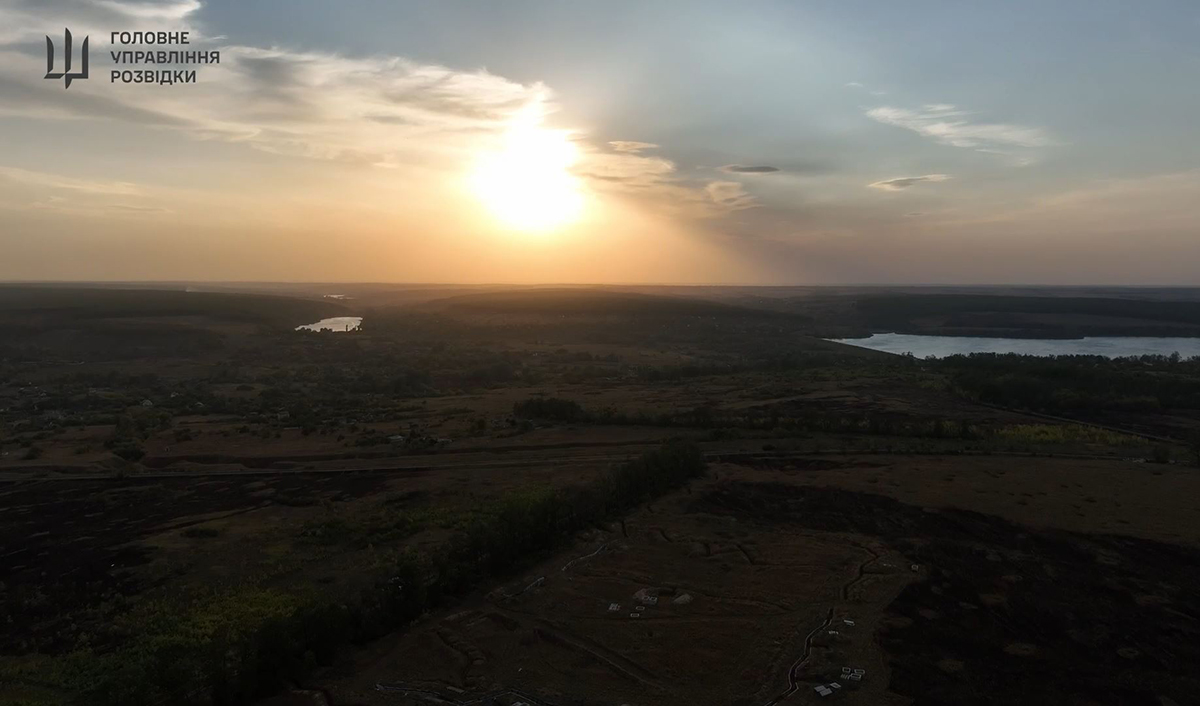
(65, 547)
(1026, 616)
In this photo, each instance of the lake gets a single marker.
(337, 324)
(1108, 346)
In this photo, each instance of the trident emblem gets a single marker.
(65, 74)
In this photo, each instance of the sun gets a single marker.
(526, 183)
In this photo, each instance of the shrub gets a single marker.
(129, 450)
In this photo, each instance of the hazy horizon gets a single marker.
(672, 143)
(550, 284)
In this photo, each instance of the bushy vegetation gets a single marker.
(707, 417)
(247, 643)
(851, 424)
(1070, 383)
(807, 361)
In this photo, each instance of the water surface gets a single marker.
(1108, 346)
(337, 324)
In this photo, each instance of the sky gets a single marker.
(651, 141)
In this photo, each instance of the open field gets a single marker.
(753, 572)
(192, 477)
(706, 608)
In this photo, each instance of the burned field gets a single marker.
(748, 591)
(670, 605)
(1006, 613)
(74, 553)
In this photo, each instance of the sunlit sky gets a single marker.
(650, 141)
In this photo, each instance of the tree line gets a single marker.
(250, 644)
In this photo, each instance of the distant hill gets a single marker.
(1027, 316)
(594, 302)
(43, 322)
(51, 305)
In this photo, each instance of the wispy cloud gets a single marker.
(948, 125)
(657, 181)
(751, 169)
(901, 183)
(864, 87)
(730, 195)
(29, 190)
(632, 146)
(23, 20)
(46, 180)
(174, 10)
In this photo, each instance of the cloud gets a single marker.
(381, 110)
(729, 195)
(632, 146)
(367, 111)
(46, 180)
(28, 20)
(854, 84)
(901, 183)
(37, 191)
(742, 169)
(657, 182)
(631, 171)
(176, 10)
(948, 125)
(35, 101)
(372, 110)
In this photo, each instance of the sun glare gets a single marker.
(526, 184)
